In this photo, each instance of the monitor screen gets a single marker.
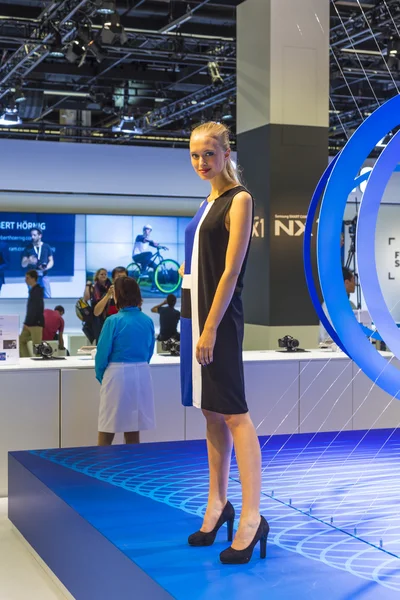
(67, 250)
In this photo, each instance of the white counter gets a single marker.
(47, 404)
(85, 362)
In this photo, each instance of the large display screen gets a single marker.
(67, 250)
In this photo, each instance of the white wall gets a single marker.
(98, 169)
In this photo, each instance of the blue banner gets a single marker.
(17, 240)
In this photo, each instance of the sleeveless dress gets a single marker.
(218, 387)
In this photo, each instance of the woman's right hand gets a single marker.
(182, 270)
(110, 292)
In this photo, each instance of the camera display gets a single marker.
(172, 346)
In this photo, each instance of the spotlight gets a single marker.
(113, 32)
(107, 105)
(393, 52)
(10, 118)
(227, 112)
(213, 70)
(57, 54)
(127, 125)
(76, 50)
(18, 95)
(105, 7)
(56, 49)
(96, 50)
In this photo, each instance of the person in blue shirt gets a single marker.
(124, 350)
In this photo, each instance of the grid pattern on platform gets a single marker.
(318, 474)
(348, 481)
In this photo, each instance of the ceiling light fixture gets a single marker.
(76, 50)
(214, 72)
(10, 118)
(127, 125)
(113, 32)
(105, 7)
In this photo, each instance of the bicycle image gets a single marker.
(161, 273)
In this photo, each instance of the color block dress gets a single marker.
(218, 387)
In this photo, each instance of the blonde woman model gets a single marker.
(216, 248)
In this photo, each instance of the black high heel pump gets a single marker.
(201, 538)
(230, 556)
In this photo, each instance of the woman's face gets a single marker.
(102, 277)
(207, 156)
(119, 274)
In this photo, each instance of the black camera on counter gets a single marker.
(172, 346)
(289, 343)
(44, 351)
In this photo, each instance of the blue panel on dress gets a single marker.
(186, 362)
(190, 233)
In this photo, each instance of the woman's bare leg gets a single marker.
(132, 437)
(219, 449)
(248, 456)
(105, 439)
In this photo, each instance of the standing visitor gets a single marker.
(124, 351)
(34, 320)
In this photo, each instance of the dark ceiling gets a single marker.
(165, 65)
(364, 62)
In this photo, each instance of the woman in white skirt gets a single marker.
(124, 351)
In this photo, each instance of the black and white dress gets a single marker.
(218, 387)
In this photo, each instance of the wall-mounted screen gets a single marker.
(67, 250)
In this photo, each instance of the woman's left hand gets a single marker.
(205, 347)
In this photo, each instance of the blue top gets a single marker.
(127, 337)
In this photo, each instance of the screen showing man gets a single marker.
(39, 255)
(4, 262)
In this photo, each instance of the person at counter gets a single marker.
(106, 305)
(169, 319)
(350, 286)
(34, 320)
(124, 350)
(94, 293)
(54, 325)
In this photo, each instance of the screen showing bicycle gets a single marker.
(67, 250)
(151, 248)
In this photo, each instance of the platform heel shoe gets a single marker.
(230, 556)
(201, 538)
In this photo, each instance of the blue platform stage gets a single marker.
(113, 522)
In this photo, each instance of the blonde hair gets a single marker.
(221, 133)
(96, 276)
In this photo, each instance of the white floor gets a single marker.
(21, 575)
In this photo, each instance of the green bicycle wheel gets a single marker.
(166, 276)
(133, 271)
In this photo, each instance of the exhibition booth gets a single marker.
(314, 401)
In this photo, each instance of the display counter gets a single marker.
(48, 404)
